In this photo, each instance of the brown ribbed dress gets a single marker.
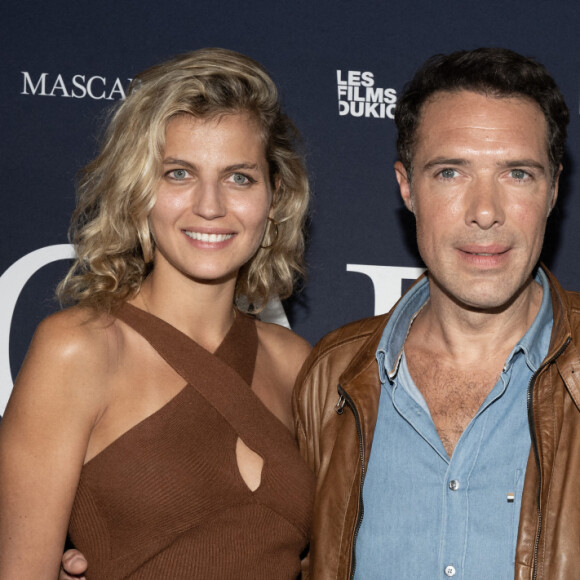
(166, 499)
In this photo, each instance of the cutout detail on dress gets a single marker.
(250, 465)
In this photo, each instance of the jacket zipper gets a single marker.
(344, 397)
(536, 451)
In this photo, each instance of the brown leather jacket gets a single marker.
(335, 406)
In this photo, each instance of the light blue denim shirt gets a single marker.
(428, 516)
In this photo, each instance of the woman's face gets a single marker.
(214, 197)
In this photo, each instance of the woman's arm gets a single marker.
(43, 440)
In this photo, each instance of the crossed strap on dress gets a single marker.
(223, 378)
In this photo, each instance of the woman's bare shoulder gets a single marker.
(282, 353)
(77, 341)
(63, 386)
(286, 348)
(77, 317)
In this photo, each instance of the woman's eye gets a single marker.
(178, 174)
(448, 173)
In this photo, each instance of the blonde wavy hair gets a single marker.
(116, 191)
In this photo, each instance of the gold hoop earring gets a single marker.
(148, 244)
(275, 223)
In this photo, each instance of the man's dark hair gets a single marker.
(497, 72)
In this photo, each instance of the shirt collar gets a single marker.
(533, 345)
(391, 344)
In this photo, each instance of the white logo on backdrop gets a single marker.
(387, 282)
(76, 87)
(11, 284)
(359, 97)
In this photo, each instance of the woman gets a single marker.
(152, 419)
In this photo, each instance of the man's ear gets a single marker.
(404, 185)
(555, 189)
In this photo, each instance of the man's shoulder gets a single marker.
(573, 307)
(340, 346)
(573, 300)
(350, 335)
(315, 393)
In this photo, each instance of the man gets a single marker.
(445, 435)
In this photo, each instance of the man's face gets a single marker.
(481, 192)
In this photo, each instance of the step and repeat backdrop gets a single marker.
(340, 67)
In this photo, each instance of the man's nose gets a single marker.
(484, 204)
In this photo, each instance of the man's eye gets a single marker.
(448, 173)
(240, 179)
(519, 174)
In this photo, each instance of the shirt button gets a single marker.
(453, 485)
(449, 571)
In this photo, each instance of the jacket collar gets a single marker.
(561, 326)
(562, 348)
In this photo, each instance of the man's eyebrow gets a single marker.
(438, 161)
(508, 164)
(515, 163)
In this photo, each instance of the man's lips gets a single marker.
(478, 250)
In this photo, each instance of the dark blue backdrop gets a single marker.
(65, 63)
